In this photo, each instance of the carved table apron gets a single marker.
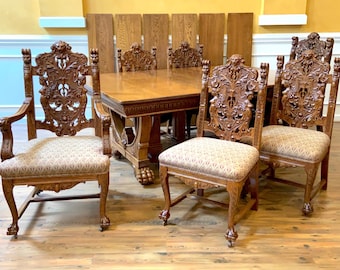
(139, 98)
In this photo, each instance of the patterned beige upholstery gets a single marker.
(61, 156)
(219, 154)
(303, 144)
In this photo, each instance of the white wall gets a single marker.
(266, 47)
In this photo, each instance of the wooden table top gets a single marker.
(151, 92)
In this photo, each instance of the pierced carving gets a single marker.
(233, 87)
(137, 59)
(63, 97)
(322, 49)
(304, 81)
(185, 56)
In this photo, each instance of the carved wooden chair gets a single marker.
(184, 57)
(299, 134)
(136, 59)
(65, 158)
(216, 157)
(322, 49)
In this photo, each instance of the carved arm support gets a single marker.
(6, 129)
(105, 121)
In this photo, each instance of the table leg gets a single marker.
(131, 139)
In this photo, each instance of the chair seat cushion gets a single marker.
(57, 156)
(297, 143)
(222, 159)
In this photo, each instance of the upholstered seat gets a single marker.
(302, 144)
(57, 157)
(219, 154)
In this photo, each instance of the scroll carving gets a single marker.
(137, 59)
(185, 56)
(233, 87)
(304, 81)
(62, 76)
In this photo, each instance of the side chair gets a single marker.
(185, 57)
(300, 130)
(217, 157)
(64, 158)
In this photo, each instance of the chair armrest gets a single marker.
(6, 129)
(105, 121)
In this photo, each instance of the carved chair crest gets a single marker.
(185, 56)
(322, 49)
(304, 81)
(62, 76)
(233, 87)
(137, 59)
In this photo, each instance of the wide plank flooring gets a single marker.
(65, 235)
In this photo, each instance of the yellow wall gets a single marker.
(22, 16)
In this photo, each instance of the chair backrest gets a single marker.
(232, 97)
(322, 49)
(62, 77)
(136, 59)
(185, 56)
(300, 91)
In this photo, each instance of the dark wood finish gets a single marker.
(211, 35)
(184, 27)
(226, 112)
(128, 30)
(323, 49)
(156, 34)
(62, 76)
(240, 35)
(100, 36)
(300, 105)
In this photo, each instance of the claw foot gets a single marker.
(104, 223)
(231, 236)
(145, 176)
(164, 215)
(307, 209)
(13, 230)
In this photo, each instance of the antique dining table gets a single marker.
(136, 100)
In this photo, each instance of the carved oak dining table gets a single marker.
(136, 100)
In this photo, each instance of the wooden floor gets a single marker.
(65, 235)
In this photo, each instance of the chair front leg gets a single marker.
(7, 186)
(234, 189)
(104, 188)
(164, 178)
(311, 171)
